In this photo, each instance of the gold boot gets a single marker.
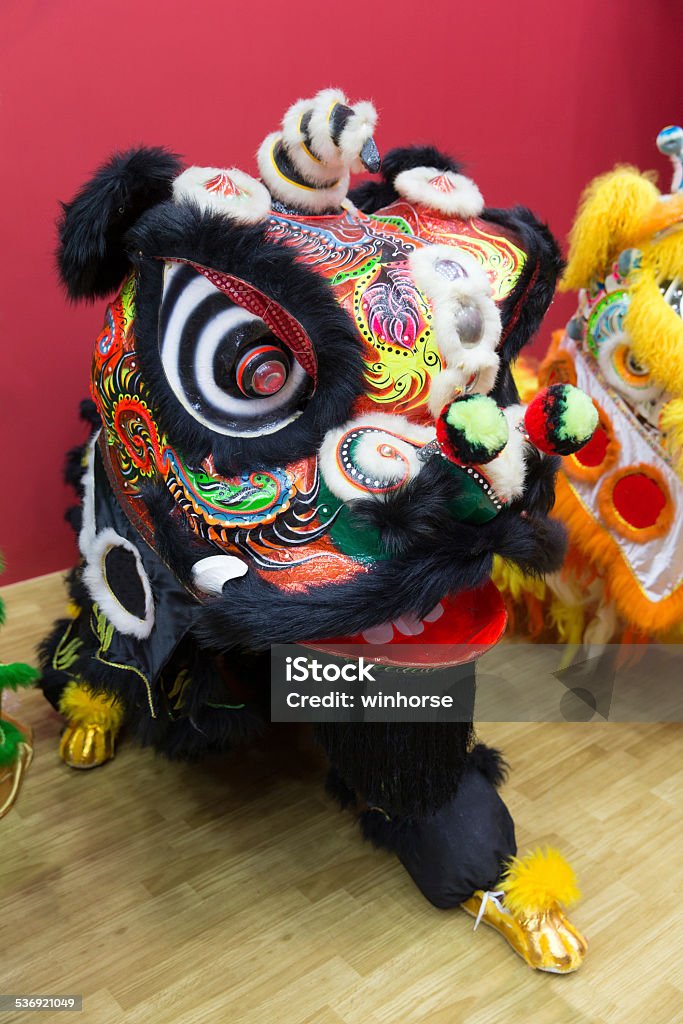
(93, 723)
(528, 911)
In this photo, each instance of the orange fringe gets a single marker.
(624, 590)
(578, 567)
(557, 366)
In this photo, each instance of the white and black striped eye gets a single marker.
(223, 363)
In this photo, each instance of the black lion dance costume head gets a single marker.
(306, 429)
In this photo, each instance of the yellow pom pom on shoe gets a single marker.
(532, 884)
(528, 911)
(94, 721)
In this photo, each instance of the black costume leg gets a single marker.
(429, 795)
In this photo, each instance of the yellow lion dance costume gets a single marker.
(621, 496)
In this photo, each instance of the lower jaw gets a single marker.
(459, 629)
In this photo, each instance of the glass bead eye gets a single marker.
(262, 371)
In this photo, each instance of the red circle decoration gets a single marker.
(638, 500)
(637, 503)
(594, 451)
(598, 455)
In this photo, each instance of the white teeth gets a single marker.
(379, 634)
(435, 613)
(409, 625)
(209, 574)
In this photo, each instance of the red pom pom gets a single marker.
(560, 420)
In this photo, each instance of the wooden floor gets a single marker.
(236, 892)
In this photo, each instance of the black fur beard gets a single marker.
(406, 769)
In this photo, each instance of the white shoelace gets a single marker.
(495, 898)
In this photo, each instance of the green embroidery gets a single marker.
(230, 707)
(67, 651)
(102, 628)
(177, 691)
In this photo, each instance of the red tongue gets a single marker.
(473, 621)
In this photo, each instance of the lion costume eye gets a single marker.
(262, 370)
(224, 364)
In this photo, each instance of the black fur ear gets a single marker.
(92, 261)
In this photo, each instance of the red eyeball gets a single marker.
(262, 371)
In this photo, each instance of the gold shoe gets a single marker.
(86, 746)
(93, 722)
(528, 911)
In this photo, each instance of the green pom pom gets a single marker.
(479, 420)
(579, 416)
(10, 738)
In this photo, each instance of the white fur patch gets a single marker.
(507, 472)
(384, 455)
(95, 580)
(356, 132)
(449, 193)
(310, 198)
(230, 192)
(454, 283)
(291, 124)
(319, 125)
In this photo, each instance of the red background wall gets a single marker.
(536, 97)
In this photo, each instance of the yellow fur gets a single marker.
(81, 706)
(533, 883)
(612, 209)
(655, 329)
(568, 620)
(525, 376)
(510, 579)
(671, 423)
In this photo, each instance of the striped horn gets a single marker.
(307, 165)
